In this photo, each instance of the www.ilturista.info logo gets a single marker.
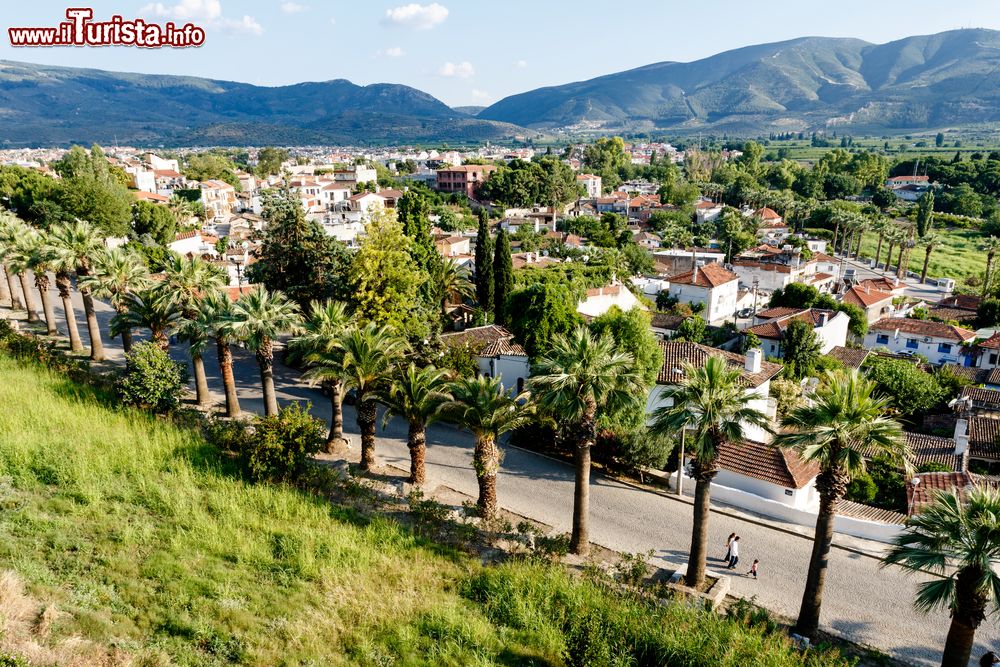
(81, 30)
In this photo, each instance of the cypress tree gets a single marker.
(484, 263)
(925, 213)
(503, 276)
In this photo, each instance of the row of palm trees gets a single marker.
(581, 379)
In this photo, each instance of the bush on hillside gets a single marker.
(151, 380)
(279, 446)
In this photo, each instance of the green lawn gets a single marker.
(131, 535)
(957, 257)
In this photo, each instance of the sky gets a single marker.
(472, 52)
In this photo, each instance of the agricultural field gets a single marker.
(956, 257)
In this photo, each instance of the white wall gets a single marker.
(508, 368)
(720, 302)
(760, 402)
(896, 343)
(595, 306)
(806, 498)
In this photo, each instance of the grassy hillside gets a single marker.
(958, 255)
(137, 545)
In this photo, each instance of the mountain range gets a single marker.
(951, 78)
(945, 80)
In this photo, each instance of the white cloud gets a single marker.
(292, 7)
(481, 95)
(462, 70)
(206, 12)
(394, 52)
(416, 16)
(521, 64)
(333, 21)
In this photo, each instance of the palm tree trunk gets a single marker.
(888, 256)
(29, 298)
(265, 360)
(812, 598)
(42, 283)
(695, 576)
(5, 294)
(366, 424)
(988, 276)
(126, 337)
(417, 444)
(968, 614)
(93, 328)
(161, 338)
(200, 381)
(226, 370)
(857, 246)
(927, 262)
(16, 298)
(487, 463)
(899, 265)
(63, 285)
(580, 538)
(336, 435)
(836, 233)
(878, 249)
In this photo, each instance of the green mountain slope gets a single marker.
(42, 105)
(951, 78)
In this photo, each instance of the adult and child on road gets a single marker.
(732, 556)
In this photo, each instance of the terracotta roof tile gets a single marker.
(782, 467)
(775, 328)
(479, 339)
(984, 438)
(711, 276)
(982, 398)
(918, 495)
(777, 311)
(858, 296)
(675, 354)
(850, 357)
(924, 328)
(869, 513)
(932, 449)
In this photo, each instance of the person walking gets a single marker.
(734, 552)
(753, 568)
(729, 546)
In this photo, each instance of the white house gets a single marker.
(776, 474)
(591, 183)
(707, 211)
(194, 243)
(713, 285)
(830, 327)
(771, 226)
(940, 343)
(875, 303)
(601, 299)
(498, 354)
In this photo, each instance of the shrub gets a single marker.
(861, 489)
(228, 435)
(151, 380)
(933, 466)
(280, 445)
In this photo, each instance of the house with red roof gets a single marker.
(498, 354)
(830, 328)
(938, 342)
(875, 303)
(713, 285)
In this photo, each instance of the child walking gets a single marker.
(753, 568)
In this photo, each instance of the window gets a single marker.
(912, 343)
(520, 385)
(944, 348)
(882, 339)
(993, 358)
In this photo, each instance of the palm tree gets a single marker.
(118, 273)
(929, 242)
(417, 395)
(6, 238)
(5, 294)
(259, 317)
(895, 236)
(40, 261)
(367, 356)
(584, 375)
(845, 423)
(482, 406)
(29, 255)
(991, 246)
(219, 311)
(959, 543)
(881, 226)
(15, 253)
(188, 280)
(905, 248)
(197, 332)
(76, 244)
(864, 224)
(449, 279)
(712, 402)
(154, 309)
(318, 346)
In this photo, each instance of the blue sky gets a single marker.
(475, 51)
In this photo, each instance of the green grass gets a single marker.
(957, 256)
(150, 547)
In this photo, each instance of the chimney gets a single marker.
(753, 360)
(822, 319)
(961, 436)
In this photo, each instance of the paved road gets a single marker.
(862, 603)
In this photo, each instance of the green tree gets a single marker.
(607, 157)
(279, 446)
(914, 392)
(152, 380)
(712, 402)
(990, 246)
(801, 349)
(417, 395)
(154, 219)
(89, 191)
(939, 139)
(211, 166)
(318, 345)
(297, 257)
(219, 309)
(692, 330)
(413, 213)
(929, 242)
(958, 540)
(386, 281)
(258, 319)
(539, 313)
(480, 405)
(153, 308)
(117, 273)
(368, 355)
(15, 250)
(40, 260)
(582, 376)
(925, 213)
(270, 159)
(75, 245)
(845, 422)
(484, 264)
(503, 277)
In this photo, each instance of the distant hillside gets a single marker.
(948, 79)
(44, 105)
(469, 110)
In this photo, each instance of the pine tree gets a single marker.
(484, 263)
(503, 276)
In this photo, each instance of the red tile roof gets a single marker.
(710, 276)
(767, 214)
(775, 328)
(858, 296)
(982, 398)
(932, 483)
(850, 357)
(151, 196)
(782, 467)
(778, 311)
(487, 341)
(676, 354)
(991, 343)
(984, 438)
(924, 328)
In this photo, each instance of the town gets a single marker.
(763, 338)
